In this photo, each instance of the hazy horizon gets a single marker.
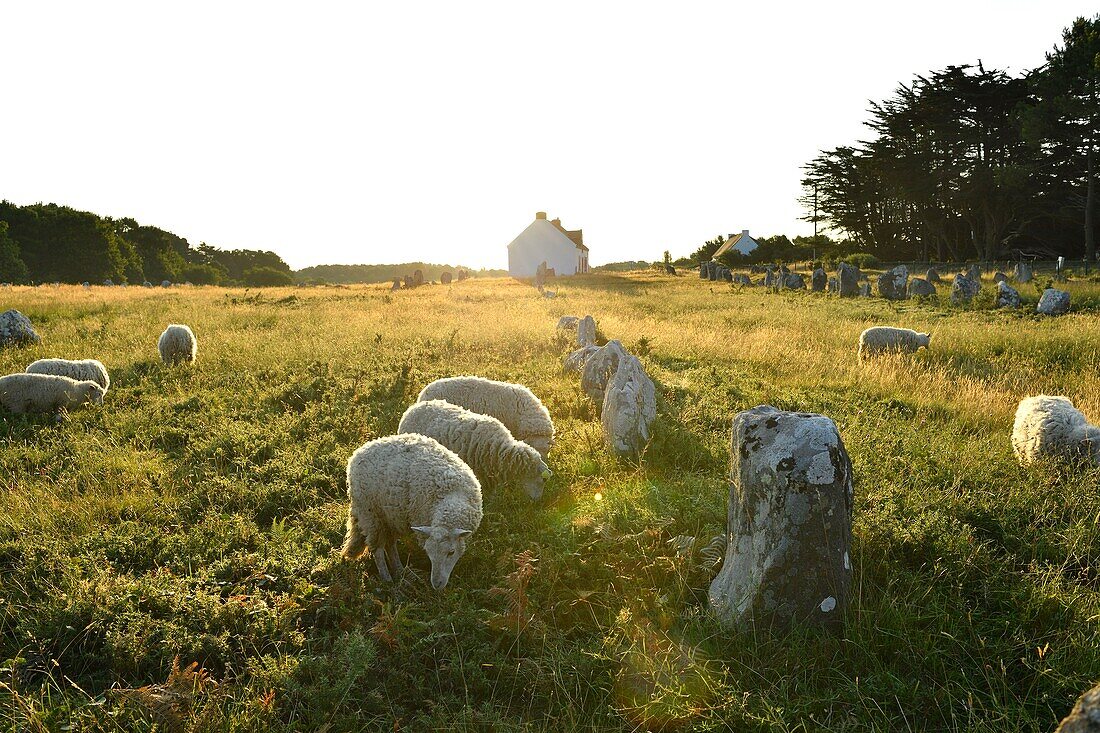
(435, 132)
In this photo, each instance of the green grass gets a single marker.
(195, 515)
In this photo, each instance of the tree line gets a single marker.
(973, 163)
(51, 243)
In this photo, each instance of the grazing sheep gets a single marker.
(480, 440)
(410, 483)
(177, 343)
(21, 393)
(1052, 426)
(513, 404)
(887, 339)
(82, 370)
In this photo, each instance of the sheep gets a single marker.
(21, 393)
(81, 370)
(410, 482)
(481, 441)
(1052, 426)
(177, 343)
(513, 404)
(887, 339)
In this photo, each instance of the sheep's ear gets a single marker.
(422, 532)
(462, 533)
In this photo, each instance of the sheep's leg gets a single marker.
(380, 560)
(393, 559)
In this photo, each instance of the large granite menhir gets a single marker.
(16, 329)
(790, 522)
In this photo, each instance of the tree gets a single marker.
(706, 252)
(12, 267)
(266, 277)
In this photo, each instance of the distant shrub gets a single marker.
(261, 277)
(201, 274)
(862, 260)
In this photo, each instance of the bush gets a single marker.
(201, 274)
(261, 277)
(862, 260)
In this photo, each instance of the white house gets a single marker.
(562, 250)
(742, 243)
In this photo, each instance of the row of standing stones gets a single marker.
(790, 494)
(896, 284)
(416, 279)
(617, 384)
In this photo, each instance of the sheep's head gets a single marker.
(535, 478)
(444, 546)
(541, 443)
(91, 392)
(924, 339)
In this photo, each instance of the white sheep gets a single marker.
(21, 393)
(177, 343)
(887, 339)
(82, 370)
(1052, 426)
(482, 441)
(513, 404)
(404, 483)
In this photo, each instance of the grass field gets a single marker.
(195, 516)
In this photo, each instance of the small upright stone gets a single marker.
(975, 273)
(703, 270)
(1000, 277)
(793, 281)
(933, 275)
(919, 288)
(818, 280)
(833, 286)
(418, 277)
(575, 362)
(166, 283)
(1007, 297)
(727, 274)
(741, 278)
(1022, 272)
(445, 278)
(1053, 302)
(712, 271)
(847, 278)
(789, 523)
(963, 289)
(16, 329)
(865, 290)
(599, 369)
(669, 269)
(586, 331)
(396, 284)
(629, 408)
(769, 278)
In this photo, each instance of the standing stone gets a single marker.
(1085, 716)
(85, 284)
(599, 369)
(702, 270)
(166, 283)
(727, 274)
(712, 271)
(462, 275)
(109, 283)
(865, 290)
(629, 408)
(396, 284)
(933, 275)
(147, 284)
(919, 288)
(975, 273)
(566, 329)
(586, 331)
(445, 278)
(1053, 302)
(575, 362)
(16, 329)
(669, 269)
(818, 280)
(1007, 297)
(741, 279)
(834, 285)
(790, 522)
(892, 284)
(409, 282)
(963, 289)
(1022, 273)
(793, 281)
(999, 277)
(769, 278)
(418, 277)
(847, 278)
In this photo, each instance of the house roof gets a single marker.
(542, 232)
(732, 244)
(576, 236)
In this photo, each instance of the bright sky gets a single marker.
(390, 132)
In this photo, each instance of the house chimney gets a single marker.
(540, 214)
(744, 232)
